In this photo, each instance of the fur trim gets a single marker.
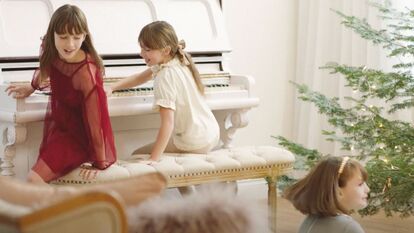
(212, 209)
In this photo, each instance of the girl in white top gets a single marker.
(187, 123)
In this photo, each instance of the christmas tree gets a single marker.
(367, 131)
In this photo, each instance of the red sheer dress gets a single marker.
(77, 126)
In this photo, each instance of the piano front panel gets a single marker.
(110, 28)
(114, 24)
(221, 92)
(22, 23)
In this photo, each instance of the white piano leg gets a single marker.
(233, 121)
(7, 161)
(11, 136)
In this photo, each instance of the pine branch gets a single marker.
(311, 155)
(387, 145)
(377, 84)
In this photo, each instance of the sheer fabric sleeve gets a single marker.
(37, 84)
(96, 116)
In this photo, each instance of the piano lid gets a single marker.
(114, 24)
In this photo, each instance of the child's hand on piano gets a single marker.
(19, 91)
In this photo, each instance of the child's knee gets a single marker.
(34, 177)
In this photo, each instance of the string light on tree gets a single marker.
(366, 130)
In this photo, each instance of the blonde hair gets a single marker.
(317, 192)
(160, 35)
(66, 19)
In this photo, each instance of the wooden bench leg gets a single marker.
(186, 190)
(272, 201)
(233, 185)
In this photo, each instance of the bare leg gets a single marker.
(171, 148)
(144, 150)
(41, 173)
(34, 178)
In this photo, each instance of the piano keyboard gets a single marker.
(211, 83)
(209, 88)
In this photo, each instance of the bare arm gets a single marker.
(164, 133)
(131, 81)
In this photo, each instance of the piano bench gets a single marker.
(222, 165)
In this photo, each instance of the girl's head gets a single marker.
(159, 44)
(335, 185)
(66, 37)
(158, 36)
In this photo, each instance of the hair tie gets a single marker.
(181, 47)
(342, 166)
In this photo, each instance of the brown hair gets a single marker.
(66, 19)
(159, 35)
(317, 192)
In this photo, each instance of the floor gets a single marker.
(288, 219)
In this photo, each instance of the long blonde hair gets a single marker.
(160, 35)
(66, 19)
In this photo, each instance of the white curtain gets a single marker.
(321, 38)
(276, 41)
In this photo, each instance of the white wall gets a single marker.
(263, 35)
(263, 38)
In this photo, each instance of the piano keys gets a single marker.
(115, 34)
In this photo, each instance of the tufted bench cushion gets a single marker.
(234, 164)
(192, 169)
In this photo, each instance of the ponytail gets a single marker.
(160, 35)
(185, 58)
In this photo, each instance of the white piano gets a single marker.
(115, 25)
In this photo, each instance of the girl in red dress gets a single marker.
(77, 126)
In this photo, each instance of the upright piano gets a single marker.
(114, 25)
